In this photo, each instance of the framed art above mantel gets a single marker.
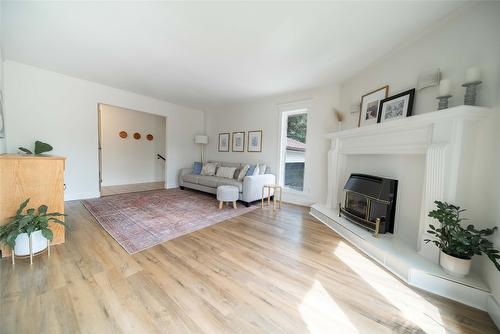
(396, 106)
(370, 106)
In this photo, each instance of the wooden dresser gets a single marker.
(38, 177)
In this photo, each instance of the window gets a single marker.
(293, 148)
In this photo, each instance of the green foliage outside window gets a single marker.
(297, 127)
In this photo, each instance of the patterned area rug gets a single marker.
(138, 221)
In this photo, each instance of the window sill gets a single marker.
(294, 192)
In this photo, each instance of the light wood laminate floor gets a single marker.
(265, 272)
(131, 188)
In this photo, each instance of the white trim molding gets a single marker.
(285, 110)
(493, 309)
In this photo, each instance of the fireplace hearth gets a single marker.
(370, 201)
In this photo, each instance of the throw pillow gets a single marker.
(236, 173)
(243, 172)
(209, 168)
(250, 170)
(256, 170)
(262, 169)
(197, 166)
(227, 172)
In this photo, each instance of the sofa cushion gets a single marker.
(230, 164)
(214, 182)
(208, 181)
(191, 178)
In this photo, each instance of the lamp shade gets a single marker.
(201, 139)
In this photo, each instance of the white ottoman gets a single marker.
(227, 194)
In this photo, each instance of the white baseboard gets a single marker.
(79, 196)
(171, 186)
(493, 309)
(296, 198)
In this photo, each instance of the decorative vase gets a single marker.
(453, 265)
(38, 243)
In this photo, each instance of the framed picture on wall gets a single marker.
(397, 106)
(370, 106)
(238, 142)
(224, 142)
(254, 141)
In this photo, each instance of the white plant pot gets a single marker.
(453, 265)
(38, 243)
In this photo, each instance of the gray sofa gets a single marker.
(250, 189)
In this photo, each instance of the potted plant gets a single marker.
(16, 233)
(458, 244)
(40, 147)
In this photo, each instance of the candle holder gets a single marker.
(470, 92)
(443, 101)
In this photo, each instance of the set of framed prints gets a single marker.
(376, 107)
(254, 142)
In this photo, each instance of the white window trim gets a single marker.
(288, 109)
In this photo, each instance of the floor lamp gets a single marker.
(202, 140)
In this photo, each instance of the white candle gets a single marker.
(472, 74)
(444, 87)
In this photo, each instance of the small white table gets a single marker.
(276, 188)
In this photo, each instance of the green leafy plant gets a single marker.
(29, 222)
(457, 241)
(40, 147)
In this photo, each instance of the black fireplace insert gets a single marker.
(370, 201)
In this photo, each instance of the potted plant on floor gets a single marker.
(16, 233)
(458, 244)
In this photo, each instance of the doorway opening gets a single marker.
(132, 150)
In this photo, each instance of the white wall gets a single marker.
(62, 111)
(127, 160)
(463, 40)
(467, 39)
(3, 145)
(264, 115)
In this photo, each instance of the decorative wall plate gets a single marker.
(149, 137)
(123, 134)
(137, 135)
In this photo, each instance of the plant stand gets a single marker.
(31, 255)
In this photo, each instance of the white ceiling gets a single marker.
(211, 54)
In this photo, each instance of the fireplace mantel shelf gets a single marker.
(417, 121)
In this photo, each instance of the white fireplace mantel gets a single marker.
(446, 139)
